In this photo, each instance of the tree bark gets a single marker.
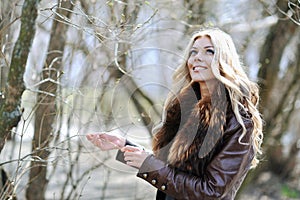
(271, 54)
(13, 87)
(10, 102)
(46, 106)
(4, 38)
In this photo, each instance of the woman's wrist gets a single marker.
(122, 142)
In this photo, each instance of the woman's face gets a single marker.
(199, 62)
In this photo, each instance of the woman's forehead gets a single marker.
(202, 41)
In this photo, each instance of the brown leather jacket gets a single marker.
(223, 175)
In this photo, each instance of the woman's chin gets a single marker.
(197, 79)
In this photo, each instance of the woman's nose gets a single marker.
(199, 57)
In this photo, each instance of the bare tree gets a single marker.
(279, 94)
(10, 101)
(11, 98)
(106, 35)
(279, 38)
(46, 103)
(7, 19)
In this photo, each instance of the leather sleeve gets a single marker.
(226, 169)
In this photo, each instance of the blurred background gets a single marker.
(69, 68)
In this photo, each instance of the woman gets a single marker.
(211, 132)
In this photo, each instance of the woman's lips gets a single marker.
(198, 68)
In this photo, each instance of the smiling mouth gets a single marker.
(197, 68)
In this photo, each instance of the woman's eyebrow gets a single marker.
(206, 47)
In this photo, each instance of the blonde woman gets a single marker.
(211, 131)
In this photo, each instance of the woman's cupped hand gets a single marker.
(106, 141)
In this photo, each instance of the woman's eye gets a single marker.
(193, 52)
(210, 51)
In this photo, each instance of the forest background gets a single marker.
(69, 68)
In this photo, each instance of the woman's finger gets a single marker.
(130, 149)
(94, 138)
(131, 163)
(90, 136)
(103, 136)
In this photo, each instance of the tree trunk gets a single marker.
(46, 107)
(10, 97)
(10, 102)
(5, 37)
(271, 54)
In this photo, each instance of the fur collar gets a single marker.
(192, 128)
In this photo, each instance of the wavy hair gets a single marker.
(228, 69)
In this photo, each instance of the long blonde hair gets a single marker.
(228, 69)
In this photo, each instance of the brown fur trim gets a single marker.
(189, 136)
(192, 128)
(177, 113)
